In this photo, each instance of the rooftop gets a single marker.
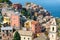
(25, 33)
(6, 28)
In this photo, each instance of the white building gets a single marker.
(7, 11)
(53, 30)
(7, 33)
(26, 35)
(40, 18)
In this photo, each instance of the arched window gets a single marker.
(24, 37)
(28, 38)
(52, 36)
(53, 29)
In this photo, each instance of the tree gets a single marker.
(4, 1)
(25, 12)
(7, 1)
(34, 18)
(17, 36)
(0, 24)
(0, 1)
(0, 27)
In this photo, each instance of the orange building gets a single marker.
(36, 27)
(15, 22)
(33, 26)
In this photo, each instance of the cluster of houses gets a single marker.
(29, 27)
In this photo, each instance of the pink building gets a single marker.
(7, 11)
(36, 27)
(15, 22)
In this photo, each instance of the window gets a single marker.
(28, 38)
(36, 31)
(3, 34)
(3, 30)
(0, 37)
(7, 19)
(35, 28)
(10, 30)
(27, 23)
(14, 24)
(8, 38)
(10, 35)
(0, 29)
(7, 32)
(14, 18)
(53, 29)
(52, 35)
(24, 37)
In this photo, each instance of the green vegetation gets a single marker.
(7, 1)
(0, 27)
(0, 24)
(25, 12)
(0, 1)
(16, 36)
(58, 23)
(46, 33)
(58, 20)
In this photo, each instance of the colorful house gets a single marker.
(7, 11)
(53, 30)
(40, 18)
(33, 26)
(15, 21)
(6, 19)
(25, 35)
(27, 24)
(36, 27)
(7, 33)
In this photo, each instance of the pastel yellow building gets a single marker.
(27, 24)
(6, 20)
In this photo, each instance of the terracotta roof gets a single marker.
(25, 33)
(34, 22)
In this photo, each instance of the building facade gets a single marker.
(25, 35)
(15, 21)
(33, 26)
(7, 33)
(6, 19)
(36, 27)
(40, 18)
(7, 11)
(27, 24)
(53, 30)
